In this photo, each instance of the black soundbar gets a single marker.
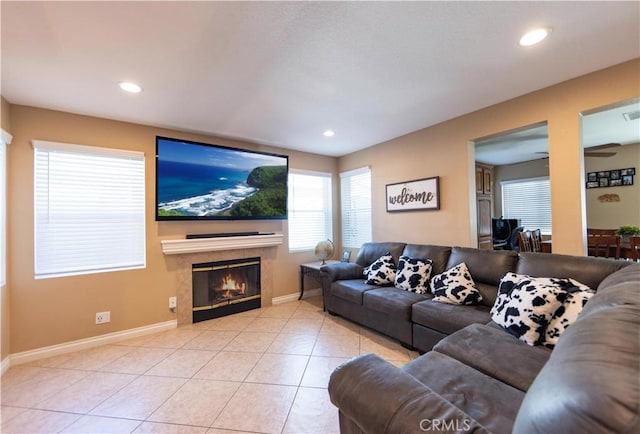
(227, 234)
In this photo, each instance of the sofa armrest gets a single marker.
(381, 398)
(341, 271)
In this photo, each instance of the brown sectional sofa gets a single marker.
(475, 377)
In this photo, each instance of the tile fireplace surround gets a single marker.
(184, 253)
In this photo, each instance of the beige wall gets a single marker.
(5, 124)
(527, 169)
(443, 150)
(51, 311)
(612, 215)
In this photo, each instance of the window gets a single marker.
(5, 139)
(310, 216)
(89, 209)
(530, 201)
(355, 187)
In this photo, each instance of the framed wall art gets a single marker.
(611, 178)
(416, 195)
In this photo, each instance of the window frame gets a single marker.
(525, 221)
(54, 179)
(327, 211)
(358, 233)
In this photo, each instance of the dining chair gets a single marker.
(634, 244)
(536, 240)
(525, 241)
(593, 232)
(606, 246)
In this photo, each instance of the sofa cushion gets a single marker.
(439, 255)
(590, 271)
(448, 318)
(508, 360)
(381, 272)
(492, 403)
(369, 252)
(455, 286)
(486, 266)
(351, 290)
(392, 301)
(413, 274)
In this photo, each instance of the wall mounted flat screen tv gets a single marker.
(198, 181)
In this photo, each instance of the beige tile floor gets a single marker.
(263, 371)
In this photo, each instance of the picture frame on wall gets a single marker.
(416, 195)
(610, 178)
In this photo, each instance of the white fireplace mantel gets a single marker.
(199, 245)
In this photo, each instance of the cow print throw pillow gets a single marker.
(455, 286)
(382, 272)
(567, 314)
(413, 274)
(526, 306)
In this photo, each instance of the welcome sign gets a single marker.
(419, 194)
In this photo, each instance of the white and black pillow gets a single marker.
(413, 274)
(507, 284)
(526, 306)
(567, 314)
(529, 310)
(382, 272)
(455, 286)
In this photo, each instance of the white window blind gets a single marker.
(355, 187)
(89, 209)
(530, 201)
(310, 214)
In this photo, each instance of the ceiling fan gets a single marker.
(589, 152)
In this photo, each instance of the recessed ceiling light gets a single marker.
(534, 36)
(127, 86)
(329, 133)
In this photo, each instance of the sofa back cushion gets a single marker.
(439, 255)
(369, 252)
(486, 267)
(587, 270)
(590, 382)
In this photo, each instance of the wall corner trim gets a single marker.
(82, 344)
(294, 297)
(5, 137)
(5, 365)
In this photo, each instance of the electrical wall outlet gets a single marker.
(173, 302)
(103, 317)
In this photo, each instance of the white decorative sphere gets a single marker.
(324, 250)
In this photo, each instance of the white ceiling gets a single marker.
(280, 73)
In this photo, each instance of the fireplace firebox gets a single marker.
(225, 287)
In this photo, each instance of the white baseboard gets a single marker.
(82, 344)
(5, 365)
(293, 297)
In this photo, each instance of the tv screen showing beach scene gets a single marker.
(197, 181)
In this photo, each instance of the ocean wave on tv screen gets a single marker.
(209, 204)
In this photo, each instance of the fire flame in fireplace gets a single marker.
(232, 287)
